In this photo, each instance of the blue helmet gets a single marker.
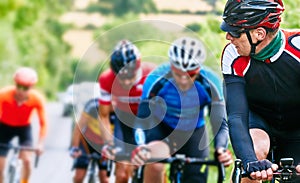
(125, 59)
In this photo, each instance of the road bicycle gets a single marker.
(177, 164)
(14, 167)
(92, 171)
(286, 172)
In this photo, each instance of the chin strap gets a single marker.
(253, 46)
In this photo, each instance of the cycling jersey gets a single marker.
(177, 117)
(269, 88)
(171, 105)
(91, 131)
(113, 93)
(16, 115)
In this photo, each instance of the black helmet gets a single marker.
(251, 14)
(125, 59)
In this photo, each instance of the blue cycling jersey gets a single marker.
(181, 110)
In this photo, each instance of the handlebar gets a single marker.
(180, 159)
(286, 172)
(17, 148)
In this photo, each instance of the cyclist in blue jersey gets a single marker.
(261, 69)
(172, 113)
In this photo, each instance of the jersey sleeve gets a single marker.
(153, 78)
(233, 63)
(238, 116)
(41, 111)
(105, 88)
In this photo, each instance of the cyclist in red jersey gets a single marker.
(17, 104)
(121, 87)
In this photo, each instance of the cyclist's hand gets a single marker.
(108, 152)
(261, 170)
(40, 149)
(139, 155)
(298, 168)
(224, 156)
(75, 152)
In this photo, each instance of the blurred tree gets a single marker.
(32, 36)
(137, 6)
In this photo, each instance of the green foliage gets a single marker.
(194, 27)
(122, 7)
(291, 15)
(31, 36)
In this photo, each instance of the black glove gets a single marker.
(258, 166)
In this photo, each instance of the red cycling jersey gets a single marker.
(113, 93)
(16, 115)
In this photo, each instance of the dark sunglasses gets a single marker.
(237, 34)
(22, 87)
(180, 75)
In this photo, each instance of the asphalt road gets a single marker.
(55, 163)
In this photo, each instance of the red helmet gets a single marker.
(251, 14)
(25, 76)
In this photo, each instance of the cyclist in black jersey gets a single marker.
(261, 70)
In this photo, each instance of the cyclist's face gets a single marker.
(183, 79)
(241, 43)
(22, 91)
(127, 83)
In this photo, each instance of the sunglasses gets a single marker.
(22, 87)
(237, 34)
(191, 75)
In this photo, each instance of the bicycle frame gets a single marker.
(91, 172)
(15, 164)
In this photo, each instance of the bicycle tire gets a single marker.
(91, 179)
(136, 179)
(11, 174)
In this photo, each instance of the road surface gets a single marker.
(55, 164)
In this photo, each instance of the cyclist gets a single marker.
(87, 139)
(16, 106)
(261, 67)
(121, 86)
(172, 111)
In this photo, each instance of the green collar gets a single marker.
(271, 49)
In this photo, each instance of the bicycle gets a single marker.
(92, 171)
(177, 163)
(15, 164)
(286, 173)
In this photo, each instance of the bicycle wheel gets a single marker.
(11, 174)
(91, 179)
(138, 177)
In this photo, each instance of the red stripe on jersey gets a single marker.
(240, 65)
(289, 45)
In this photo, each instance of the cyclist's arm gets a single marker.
(41, 111)
(237, 110)
(83, 120)
(105, 127)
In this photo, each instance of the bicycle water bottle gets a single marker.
(139, 136)
(140, 139)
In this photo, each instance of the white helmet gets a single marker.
(187, 54)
